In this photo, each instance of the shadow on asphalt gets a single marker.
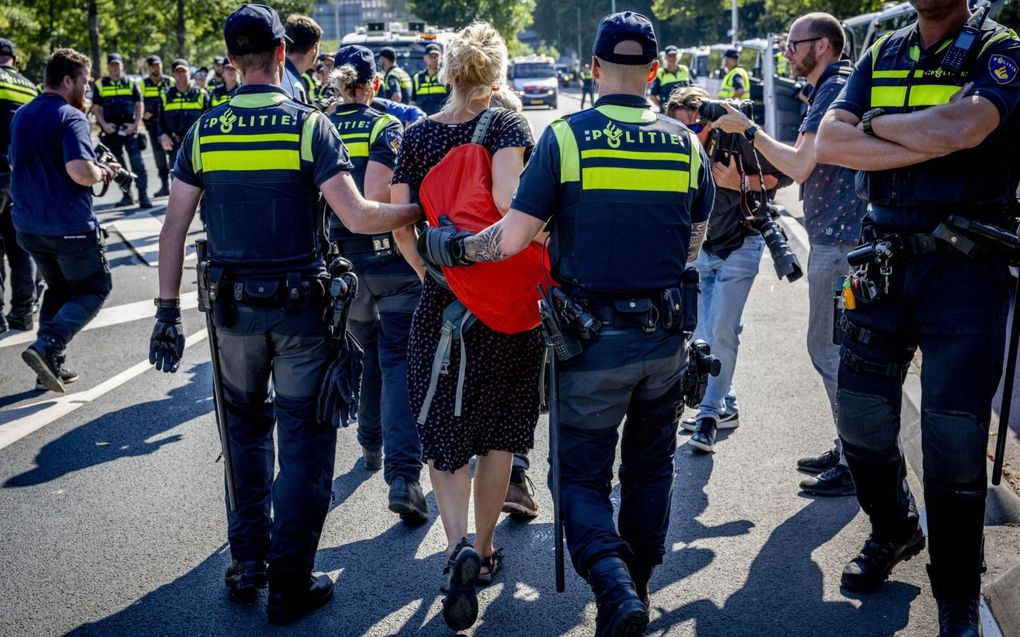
(119, 434)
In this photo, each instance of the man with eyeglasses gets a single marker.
(832, 215)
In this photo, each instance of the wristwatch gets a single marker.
(751, 131)
(866, 120)
(166, 304)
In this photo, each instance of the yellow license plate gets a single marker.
(533, 102)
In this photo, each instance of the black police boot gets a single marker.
(831, 482)
(24, 322)
(244, 579)
(44, 358)
(3, 324)
(373, 459)
(819, 464)
(143, 201)
(289, 601)
(408, 500)
(67, 376)
(877, 559)
(126, 200)
(621, 613)
(703, 438)
(958, 617)
(164, 190)
(641, 576)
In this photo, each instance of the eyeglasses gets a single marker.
(791, 45)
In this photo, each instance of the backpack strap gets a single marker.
(482, 127)
(457, 320)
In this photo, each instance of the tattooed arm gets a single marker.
(503, 239)
(698, 232)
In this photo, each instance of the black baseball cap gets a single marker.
(389, 53)
(202, 72)
(731, 53)
(626, 26)
(114, 57)
(179, 62)
(7, 48)
(433, 48)
(671, 49)
(253, 28)
(153, 59)
(360, 58)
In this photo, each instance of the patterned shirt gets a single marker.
(832, 209)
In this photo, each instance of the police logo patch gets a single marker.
(1003, 69)
(392, 138)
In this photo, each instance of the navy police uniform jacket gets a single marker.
(180, 110)
(899, 77)
(117, 98)
(622, 187)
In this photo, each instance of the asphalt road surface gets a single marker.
(112, 517)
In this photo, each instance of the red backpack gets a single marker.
(503, 295)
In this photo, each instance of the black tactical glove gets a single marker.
(341, 384)
(443, 246)
(166, 346)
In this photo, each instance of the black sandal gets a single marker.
(460, 606)
(494, 563)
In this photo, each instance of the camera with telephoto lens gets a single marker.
(124, 177)
(786, 262)
(712, 110)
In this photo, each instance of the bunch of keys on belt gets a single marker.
(857, 287)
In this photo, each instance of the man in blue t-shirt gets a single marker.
(53, 169)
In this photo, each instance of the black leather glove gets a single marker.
(166, 346)
(341, 384)
(443, 246)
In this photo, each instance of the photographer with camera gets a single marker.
(53, 168)
(118, 107)
(832, 214)
(730, 256)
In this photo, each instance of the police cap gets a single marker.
(153, 59)
(389, 53)
(671, 49)
(220, 60)
(626, 26)
(202, 72)
(253, 28)
(7, 48)
(180, 63)
(360, 58)
(114, 57)
(432, 48)
(732, 54)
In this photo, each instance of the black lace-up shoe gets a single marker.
(621, 613)
(958, 617)
(288, 603)
(831, 482)
(819, 464)
(877, 559)
(244, 579)
(703, 438)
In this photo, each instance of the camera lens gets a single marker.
(785, 261)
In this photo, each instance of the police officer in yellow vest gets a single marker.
(927, 119)
(429, 93)
(627, 194)
(672, 75)
(587, 85)
(118, 107)
(396, 83)
(736, 83)
(153, 88)
(260, 161)
(15, 91)
(183, 104)
(225, 89)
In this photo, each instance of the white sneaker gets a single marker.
(726, 420)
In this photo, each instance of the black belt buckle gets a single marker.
(381, 243)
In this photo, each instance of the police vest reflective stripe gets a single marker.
(727, 90)
(586, 75)
(150, 91)
(681, 74)
(905, 79)
(430, 86)
(255, 156)
(122, 88)
(627, 224)
(402, 77)
(220, 95)
(15, 89)
(182, 102)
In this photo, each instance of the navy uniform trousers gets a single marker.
(954, 309)
(623, 373)
(277, 520)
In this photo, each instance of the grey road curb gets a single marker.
(1002, 505)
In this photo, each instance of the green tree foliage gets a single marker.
(133, 28)
(560, 22)
(510, 17)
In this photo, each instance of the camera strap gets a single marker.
(749, 208)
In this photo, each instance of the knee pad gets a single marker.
(868, 423)
(954, 446)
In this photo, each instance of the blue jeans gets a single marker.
(380, 319)
(725, 285)
(77, 279)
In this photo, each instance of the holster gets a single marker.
(221, 305)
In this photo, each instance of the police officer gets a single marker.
(153, 88)
(589, 175)
(736, 82)
(118, 107)
(925, 155)
(429, 92)
(587, 85)
(15, 91)
(250, 186)
(303, 35)
(225, 89)
(218, 66)
(396, 83)
(388, 290)
(672, 75)
(183, 104)
(201, 79)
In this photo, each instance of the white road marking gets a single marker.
(140, 231)
(38, 415)
(106, 317)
